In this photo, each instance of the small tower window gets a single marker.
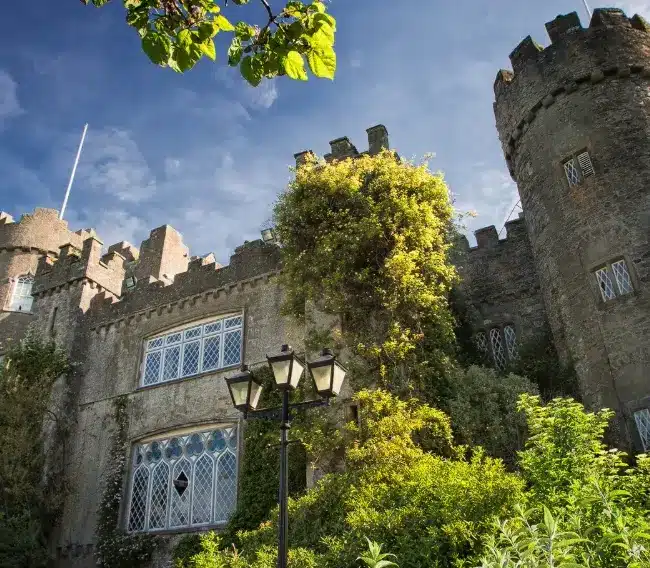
(642, 419)
(614, 280)
(21, 296)
(577, 168)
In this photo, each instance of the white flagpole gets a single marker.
(74, 170)
(587, 8)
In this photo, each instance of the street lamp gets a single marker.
(327, 374)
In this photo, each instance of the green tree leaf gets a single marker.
(322, 62)
(252, 70)
(157, 47)
(207, 47)
(223, 23)
(294, 66)
(235, 52)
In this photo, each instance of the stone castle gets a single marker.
(162, 328)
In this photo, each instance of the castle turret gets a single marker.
(22, 244)
(573, 119)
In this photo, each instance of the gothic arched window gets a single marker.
(21, 294)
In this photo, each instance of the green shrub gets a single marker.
(483, 409)
(430, 508)
(586, 506)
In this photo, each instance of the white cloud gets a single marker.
(264, 95)
(631, 7)
(9, 105)
(112, 164)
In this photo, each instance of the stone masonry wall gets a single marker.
(499, 282)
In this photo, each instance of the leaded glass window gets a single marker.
(184, 481)
(622, 276)
(614, 280)
(498, 352)
(642, 419)
(511, 341)
(502, 347)
(197, 349)
(21, 296)
(577, 168)
(571, 171)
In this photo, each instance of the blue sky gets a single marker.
(207, 154)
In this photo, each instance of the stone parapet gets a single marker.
(204, 277)
(342, 148)
(41, 231)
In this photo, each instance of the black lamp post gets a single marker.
(327, 374)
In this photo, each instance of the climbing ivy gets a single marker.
(33, 439)
(367, 239)
(115, 548)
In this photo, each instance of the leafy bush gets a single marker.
(587, 506)
(405, 485)
(367, 240)
(482, 405)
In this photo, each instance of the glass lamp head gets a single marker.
(328, 374)
(287, 368)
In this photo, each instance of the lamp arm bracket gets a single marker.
(275, 413)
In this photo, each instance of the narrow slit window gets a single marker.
(614, 280)
(21, 297)
(642, 419)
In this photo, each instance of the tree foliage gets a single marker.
(367, 239)
(178, 33)
(29, 500)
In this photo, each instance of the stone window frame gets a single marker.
(510, 349)
(597, 282)
(182, 329)
(581, 163)
(15, 304)
(184, 435)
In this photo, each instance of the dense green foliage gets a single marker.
(178, 33)
(405, 485)
(584, 507)
(482, 405)
(115, 548)
(573, 504)
(29, 500)
(367, 239)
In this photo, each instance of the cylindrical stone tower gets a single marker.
(574, 123)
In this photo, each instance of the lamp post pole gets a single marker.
(283, 524)
(245, 390)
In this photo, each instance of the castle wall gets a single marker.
(500, 285)
(588, 91)
(106, 338)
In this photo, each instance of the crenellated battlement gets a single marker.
(41, 230)
(342, 148)
(613, 46)
(488, 237)
(74, 264)
(204, 278)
